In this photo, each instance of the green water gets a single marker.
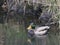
(16, 35)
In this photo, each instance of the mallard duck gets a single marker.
(39, 31)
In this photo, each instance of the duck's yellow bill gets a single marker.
(29, 27)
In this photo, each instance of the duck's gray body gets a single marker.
(40, 31)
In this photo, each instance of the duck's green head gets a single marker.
(33, 26)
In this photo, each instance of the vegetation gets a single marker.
(15, 28)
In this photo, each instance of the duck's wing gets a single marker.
(40, 33)
(42, 28)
